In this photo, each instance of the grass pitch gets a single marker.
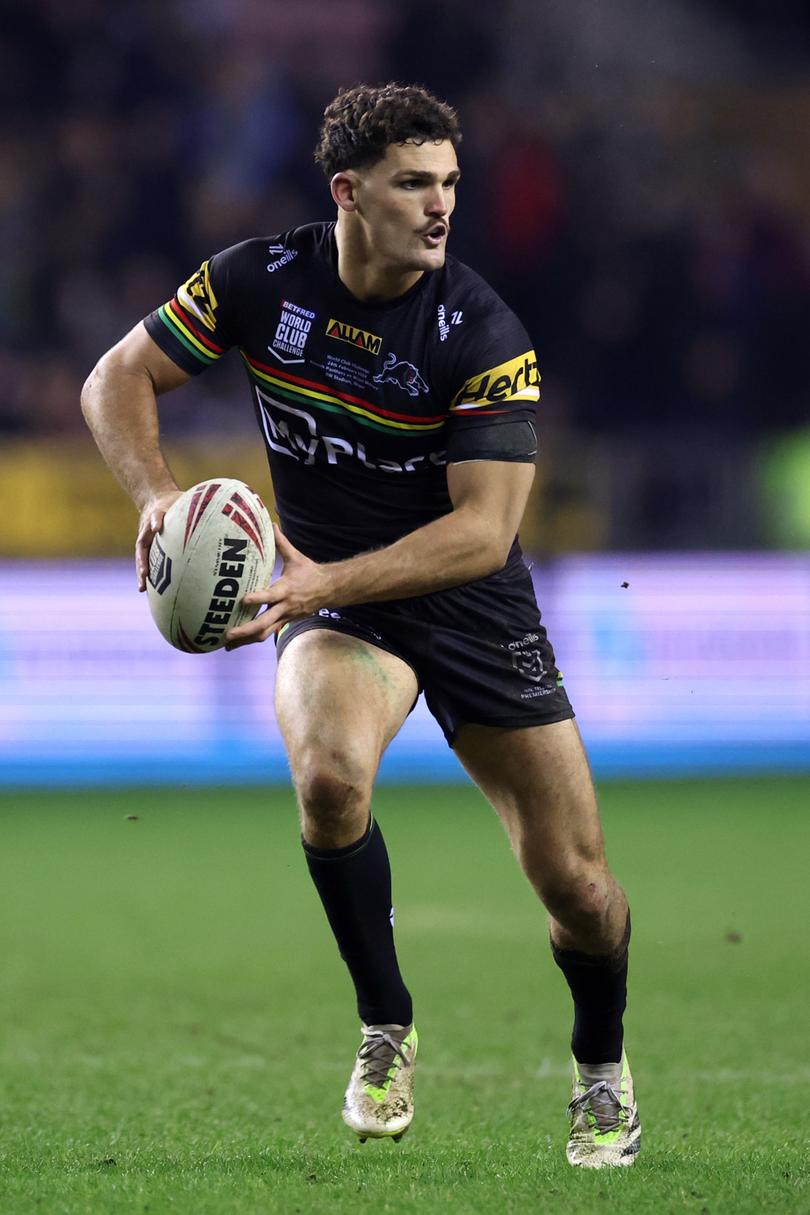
(178, 1029)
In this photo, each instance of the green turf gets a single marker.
(177, 1028)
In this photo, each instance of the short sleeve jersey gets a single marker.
(356, 402)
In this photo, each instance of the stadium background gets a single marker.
(176, 1026)
(636, 190)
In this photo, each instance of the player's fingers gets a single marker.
(268, 596)
(150, 527)
(260, 629)
(236, 643)
(142, 545)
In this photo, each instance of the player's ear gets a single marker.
(343, 187)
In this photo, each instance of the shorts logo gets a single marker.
(281, 257)
(515, 380)
(354, 336)
(292, 332)
(197, 295)
(404, 375)
(529, 663)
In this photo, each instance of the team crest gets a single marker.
(529, 663)
(404, 375)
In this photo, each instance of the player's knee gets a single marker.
(332, 788)
(576, 893)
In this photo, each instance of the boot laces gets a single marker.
(605, 1106)
(378, 1052)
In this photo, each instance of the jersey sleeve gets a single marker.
(194, 328)
(495, 378)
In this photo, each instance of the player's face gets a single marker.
(405, 202)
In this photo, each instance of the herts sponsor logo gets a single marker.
(282, 257)
(360, 338)
(291, 334)
(225, 594)
(404, 375)
(516, 380)
(294, 433)
(197, 295)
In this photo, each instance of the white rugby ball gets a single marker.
(216, 545)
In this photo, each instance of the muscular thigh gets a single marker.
(539, 781)
(341, 700)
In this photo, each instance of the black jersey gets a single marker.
(356, 401)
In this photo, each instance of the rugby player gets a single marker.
(395, 393)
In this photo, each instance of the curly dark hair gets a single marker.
(363, 121)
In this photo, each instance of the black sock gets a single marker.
(355, 888)
(599, 988)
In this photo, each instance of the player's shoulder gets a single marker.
(466, 288)
(475, 315)
(268, 254)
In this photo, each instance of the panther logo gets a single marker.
(404, 375)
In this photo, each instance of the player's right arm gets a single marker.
(119, 402)
(166, 349)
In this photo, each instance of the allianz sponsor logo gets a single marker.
(286, 256)
(294, 433)
(359, 338)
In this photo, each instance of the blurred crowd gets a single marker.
(635, 185)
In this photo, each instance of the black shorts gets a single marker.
(479, 651)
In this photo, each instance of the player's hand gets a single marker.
(150, 524)
(300, 589)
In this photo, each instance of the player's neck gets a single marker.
(364, 275)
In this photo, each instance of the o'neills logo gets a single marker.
(516, 380)
(225, 593)
(355, 337)
(279, 262)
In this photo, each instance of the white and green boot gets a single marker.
(379, 1100)
(605, 1128)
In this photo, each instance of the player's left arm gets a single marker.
(473, 540)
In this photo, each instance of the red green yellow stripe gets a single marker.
(178, 324)
(333, 401)
(183, 316)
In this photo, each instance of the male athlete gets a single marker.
(395, 393)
